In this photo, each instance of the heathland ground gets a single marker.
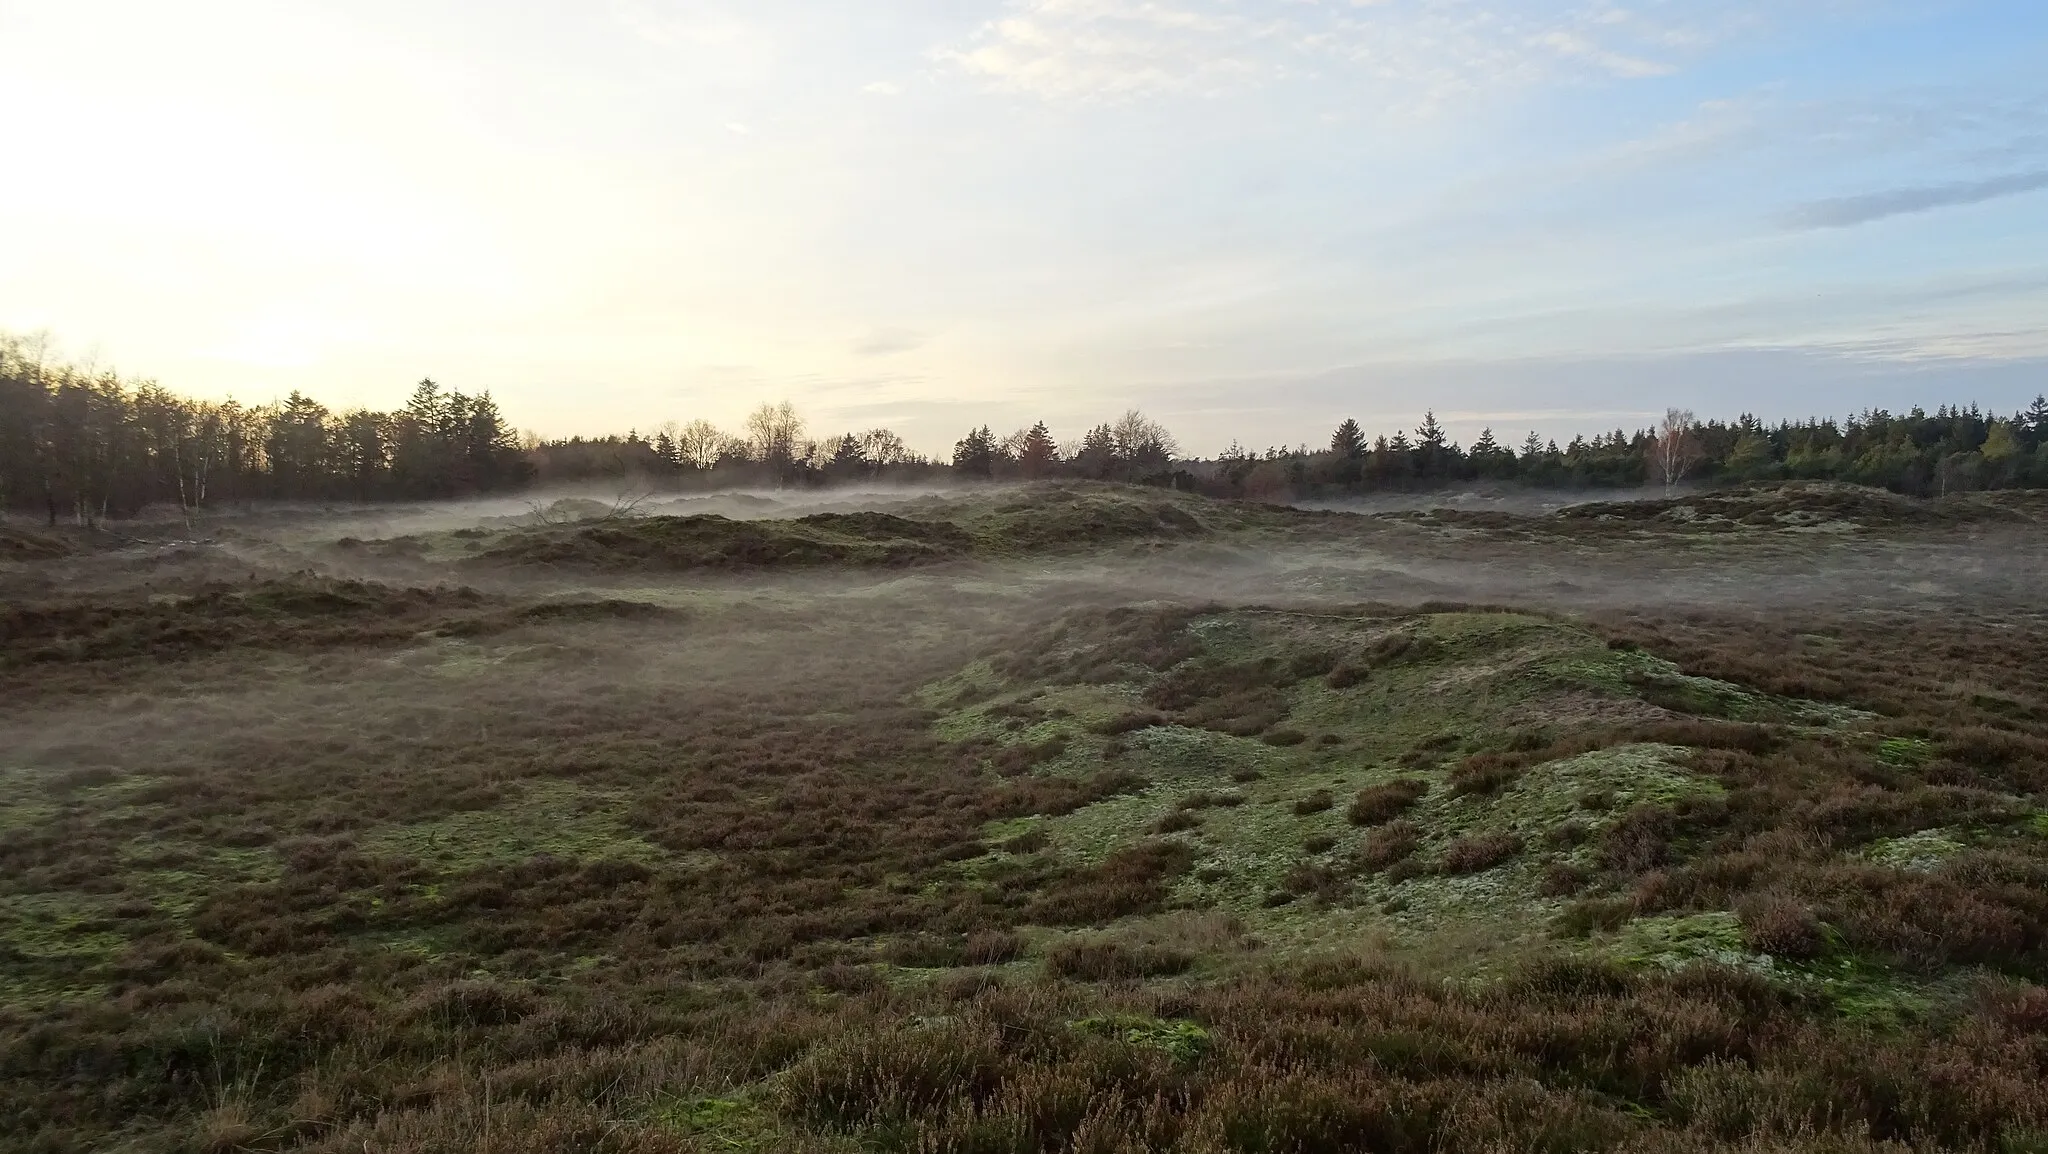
(1057, 818)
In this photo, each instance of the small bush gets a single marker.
(1562, 879)
(925, 952)
(841, 978)
(871, 1079)
(1376, 805)
(1130, 722)
(1582, 918)
(1309, 878)
(1389, 844)
(1178, 821)
(1485, 774)
(1479, 851)
(1101, 960)
(1566, 834)
(1316, 802)
(992, 948)
(1782, 928)
(1640, 841)
(1030, 841)
(1129, 881)
(475, 1003)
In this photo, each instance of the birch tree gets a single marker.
(1675, 448)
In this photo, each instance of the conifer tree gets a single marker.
(1348, 442)
(1038, 453)
(975, 454)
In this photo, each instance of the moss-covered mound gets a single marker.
(294, 613)
(1793, 505)
(998, 523)
(1326, 776)
(714, 542)
(1054, 516)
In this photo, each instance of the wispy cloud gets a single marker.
(1849, 211)
(1095, 49)
(888, 342)
(1084, 49)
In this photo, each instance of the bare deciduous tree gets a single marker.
(882, 448)
(1140, 445)
(700, 443)
(774, 433)
(1676, 447)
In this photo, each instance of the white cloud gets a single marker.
(1425, 50)
(1081, 49)
(1571, 44)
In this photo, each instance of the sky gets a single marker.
(1249, 218)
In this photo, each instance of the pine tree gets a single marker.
(1430, 446)
(1348, 442)
(1038, 452)
(975, 454)
(847, 459)
(1098, 451)
(1429, 436)
(1487, 457)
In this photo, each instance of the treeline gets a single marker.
(776, 448)
(1953, 449)
(773, 449)
(84, 445)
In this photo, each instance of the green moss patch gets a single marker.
(1920, 852)
(1548, 795)
(1362, 699)
(1676, 940)
(545, 818)
(1184, 1041)
(1905, 752)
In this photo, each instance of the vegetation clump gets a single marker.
(1479, 851)
(1792, 505)
(293, 613)
(710, 541)
(1378, 804)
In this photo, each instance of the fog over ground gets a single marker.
(1378, 549)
